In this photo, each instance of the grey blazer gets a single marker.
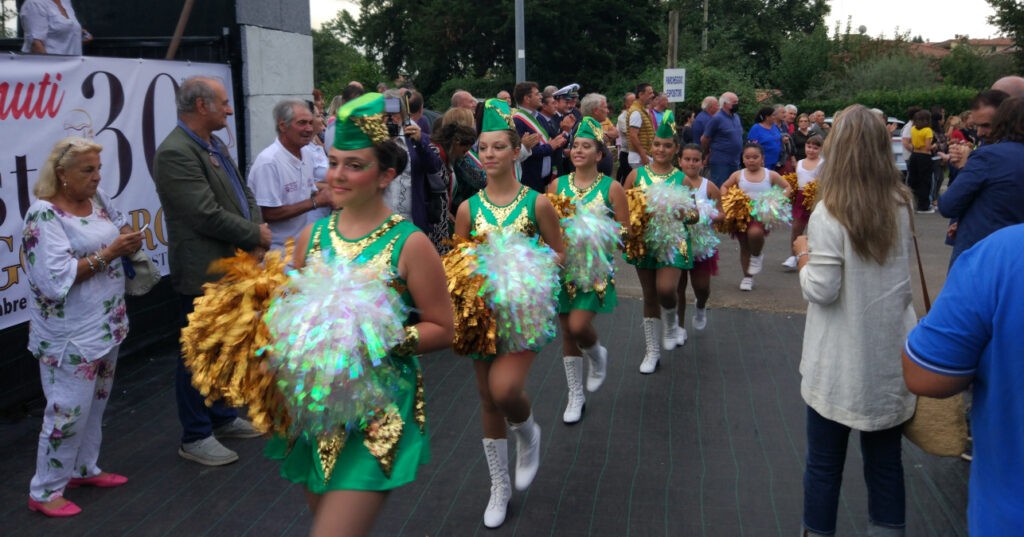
(204, 219)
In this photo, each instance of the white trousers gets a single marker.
(69, 443)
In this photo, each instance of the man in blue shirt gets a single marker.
(973, 335)
(708, 108)
(723, 139)
(988, 193)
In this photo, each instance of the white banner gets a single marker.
(674, 84)
(125, 105)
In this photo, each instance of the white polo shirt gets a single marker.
(277, 178)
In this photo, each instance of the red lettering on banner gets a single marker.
(19, 104)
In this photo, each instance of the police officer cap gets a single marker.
(568, 92)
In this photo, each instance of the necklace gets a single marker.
(578, 192)
(501, 212)
(659, 177)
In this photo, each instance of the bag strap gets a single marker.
(920, 266)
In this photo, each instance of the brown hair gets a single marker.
(860, 184)
(1008, 123)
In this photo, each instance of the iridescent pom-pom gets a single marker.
(591, 239)
(670, 206)
(330, 335)
(703, 239)
(521, 288)
(772, 208)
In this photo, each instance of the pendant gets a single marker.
(214, 160)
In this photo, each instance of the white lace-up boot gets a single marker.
(527, 436)
(653, 353)
(496, 451)
(574, 378)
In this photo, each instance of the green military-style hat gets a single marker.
(667, 129)
(590, 128)
(360, 123)
(497, 116)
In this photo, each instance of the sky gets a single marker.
(921, 17)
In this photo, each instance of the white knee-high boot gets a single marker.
(527, 436)
(653, 353)
(597, 358)
(574, 379)
(672, 335)
(496, 451)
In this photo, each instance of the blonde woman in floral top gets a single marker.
(73, 241)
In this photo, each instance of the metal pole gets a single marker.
(520, 42)
(180, 29)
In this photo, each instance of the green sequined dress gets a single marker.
(645, 178)
(568, 300)
(307, 460)
(519, 214)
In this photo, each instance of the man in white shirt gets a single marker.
(623, 127)
(281, 176)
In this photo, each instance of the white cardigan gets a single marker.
(859, 315)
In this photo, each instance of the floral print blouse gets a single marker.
(80, 322)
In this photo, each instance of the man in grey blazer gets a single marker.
(210, 212)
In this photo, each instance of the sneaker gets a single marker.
(790, 263)
(747, 284)
(207, 451)
(930, 210)
(968, 454)
(700, 319)
(756, 262)
(237, 429)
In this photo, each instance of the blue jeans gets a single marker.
(197, 419)
(720, 172)
(826, 456)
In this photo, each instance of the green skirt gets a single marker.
(650, 262)
(588, 301)
(356, 468)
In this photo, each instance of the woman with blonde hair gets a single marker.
(854, 272)
(72, 242)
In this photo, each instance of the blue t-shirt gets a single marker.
(975, 328)
(699, 124)
(988, 194)
(726, 135)
(770, 140)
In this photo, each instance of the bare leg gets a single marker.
(347, 513)
(681, 300)
(799, 226)
(667, 286)
(501, 386)
(755, 239)
(647, 285)
(744, 253)
(580, 327)
(701, 282)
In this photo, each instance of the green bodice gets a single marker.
(519, 214)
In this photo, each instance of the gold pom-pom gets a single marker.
(736, 210)
(564, 205)
(794, 183)
(810, 191)
(633, 239)
(226, 330)
(475, 325)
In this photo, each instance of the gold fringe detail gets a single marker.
(564, 205)
(475, 325)
(381, 439)
(420, 408)
(329, 446)
(633, 237)
(810, 195)
(225, 332)
(736, 209)
(794, 183)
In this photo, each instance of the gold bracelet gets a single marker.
(410, 344)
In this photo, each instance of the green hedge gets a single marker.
(895, 103)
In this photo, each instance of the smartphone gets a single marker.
(392, 105)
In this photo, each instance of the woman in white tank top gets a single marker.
(806, 172)
(753, 179)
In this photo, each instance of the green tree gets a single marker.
(966, 68)
(803, 62)
(336, 63)
(1009, 18)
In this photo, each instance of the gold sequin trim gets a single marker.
(420, 410)
(381, 439)
(409, 345)
(329, 446)
(351, 250)
(373, 126)
(657, 177)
